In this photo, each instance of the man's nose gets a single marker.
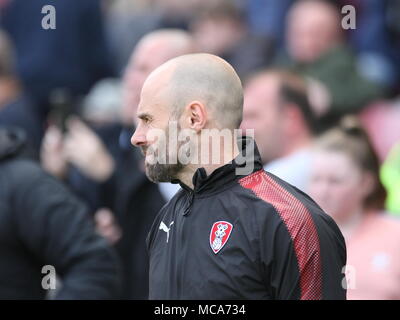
(138, 138)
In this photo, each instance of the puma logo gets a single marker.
(164, 228)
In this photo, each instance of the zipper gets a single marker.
(180, 254)
(181, 251)
(188, 208)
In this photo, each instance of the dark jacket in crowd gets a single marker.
(134, 200)
(42, 223)
(21, 113)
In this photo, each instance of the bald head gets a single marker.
(152, 50)
(186, 99)
(203, 78)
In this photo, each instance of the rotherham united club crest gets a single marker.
(220, 232)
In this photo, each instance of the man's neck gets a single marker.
(186, 175)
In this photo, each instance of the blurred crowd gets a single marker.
(323, 101)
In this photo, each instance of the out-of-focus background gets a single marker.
(74, 90)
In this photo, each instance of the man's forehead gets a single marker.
(151, 103)
(151, 94)
(141, 109)
(156, 84)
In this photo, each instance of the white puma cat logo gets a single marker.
(164, 227)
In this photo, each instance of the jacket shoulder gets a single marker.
(286, 202)
(22, 173)
(19, 171)
(275, 191)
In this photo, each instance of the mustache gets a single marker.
(147, 150)
(143, 150)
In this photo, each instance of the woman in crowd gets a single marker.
(345, 182)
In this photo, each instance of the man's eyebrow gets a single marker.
(144, 115)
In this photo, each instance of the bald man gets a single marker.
(234, 231)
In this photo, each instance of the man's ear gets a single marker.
(196, 115)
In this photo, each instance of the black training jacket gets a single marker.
(244, 237)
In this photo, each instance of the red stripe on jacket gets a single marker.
(301, 228)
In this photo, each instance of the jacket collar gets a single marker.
(248, 161)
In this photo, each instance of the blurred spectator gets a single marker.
(390, 176)
(126, 21)
(102, 105)
(375, 38)
(345, 183)
(73, 56)
(154, 49)
(316, 48)
(393, 24)
(381, 121)
(179, 14)
(116, 169)
(267, 18)
(129, 20)
(43, 224)
(372, 41)
(221, 30)
(276, 107)
(15, 107)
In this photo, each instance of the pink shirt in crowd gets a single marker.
(373, 259)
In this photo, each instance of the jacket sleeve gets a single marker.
(290, 257)
(57, 230)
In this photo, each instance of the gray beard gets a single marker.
(163, 172)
